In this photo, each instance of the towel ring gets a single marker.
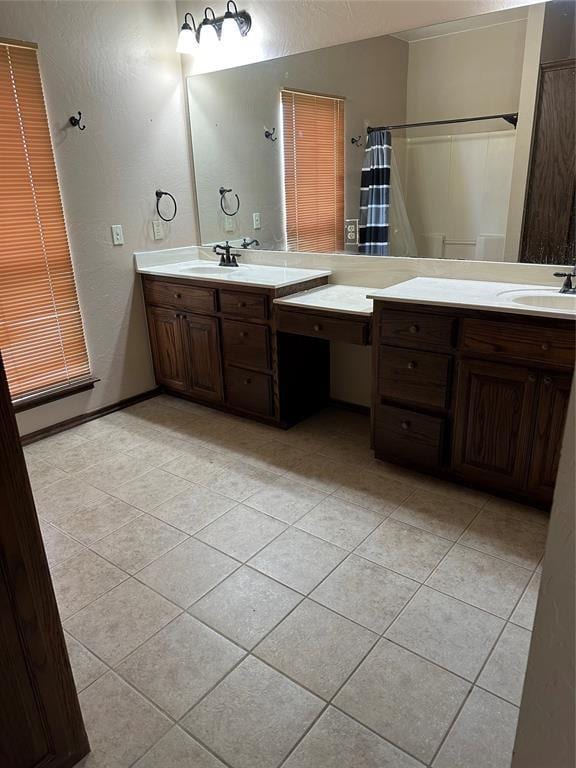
(159, 195)
(223, 193)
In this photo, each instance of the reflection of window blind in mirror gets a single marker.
(41, 334)
(313, 133)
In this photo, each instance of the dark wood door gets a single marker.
(548, 226)
(553, 396)
(167, 342)
(202, 354)
(494, 418)
(40, 721)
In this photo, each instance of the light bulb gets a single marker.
(230, 30)
(186, 40)
(208, 35)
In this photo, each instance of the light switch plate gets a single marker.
(117, 234)
(228, 224)
(157, 229)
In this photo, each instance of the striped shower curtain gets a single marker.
(375, 195)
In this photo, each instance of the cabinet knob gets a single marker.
(531, 378)
(243, 334)
(241, 304)
(317, 327)
(545, 346)
(405, 425)
(414, 328)
(247, 381)
(177, 295)
(547, 380)
(412, 365)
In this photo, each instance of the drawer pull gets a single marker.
(545, 346)
(547, 380)
(243, 334)
(532, 378)
(317, 327)
(177, 295)
(414, 328)
(405, 425)
(412, 365)
(241, 304)
(247, 381)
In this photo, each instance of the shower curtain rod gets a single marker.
(510, 117)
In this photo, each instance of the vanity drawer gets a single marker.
(249, 391)
(530, 343)
(179, 296)
(412, 376)
(412, 329)
(410, 437)
(246, 344)
(239, 304)
(323, 327)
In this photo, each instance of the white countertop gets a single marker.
(538, 300)
(349, 299)
(246, 274)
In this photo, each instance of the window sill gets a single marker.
(56, 393)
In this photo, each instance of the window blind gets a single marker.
(313, 139)
(41, 334)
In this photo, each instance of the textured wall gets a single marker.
(282, 27)
(116, 62)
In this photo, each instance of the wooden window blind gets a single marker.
(41, 334)
(313, 135)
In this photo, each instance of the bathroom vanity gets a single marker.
(468, 392)
(213, 338)
(470, 379)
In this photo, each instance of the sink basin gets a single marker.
(541, 298)
(207, 270)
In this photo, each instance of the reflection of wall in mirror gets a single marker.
(230, 110)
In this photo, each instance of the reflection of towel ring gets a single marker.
(159, 195)
(223, 192)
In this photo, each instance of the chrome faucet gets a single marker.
(567, 285)
(226, 260)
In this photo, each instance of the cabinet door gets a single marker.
(554, 393)
(202, 353)
(493, 423)
(166, 340)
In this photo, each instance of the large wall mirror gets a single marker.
(412, 144)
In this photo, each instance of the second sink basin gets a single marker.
(542, 298)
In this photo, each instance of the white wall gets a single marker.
(115, 62)
(545, 737)
(282, 27)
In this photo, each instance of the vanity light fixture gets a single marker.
(187, 39)
(233, 25)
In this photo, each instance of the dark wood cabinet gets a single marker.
(220, 347)
(167, 343)
(553, 396)
(202, 357)
(473, 396)
(493, 422)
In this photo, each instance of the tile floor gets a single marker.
(234, 595)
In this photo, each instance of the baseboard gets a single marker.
(75, 421)
(354, 407)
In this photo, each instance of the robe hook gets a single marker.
(75, 121)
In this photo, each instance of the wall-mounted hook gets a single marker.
(271, 134)
(223, 193)
(356, 140)
(75, 121)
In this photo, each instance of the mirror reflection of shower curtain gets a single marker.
(401, 235)
(373, 229)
